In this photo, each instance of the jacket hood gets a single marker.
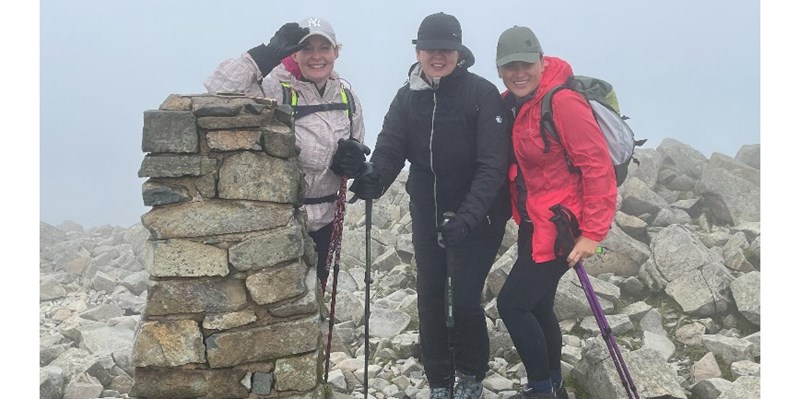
(416, 82)
(556, 71)
(291, 65)
(467, 59)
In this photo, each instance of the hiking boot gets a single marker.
(440, 393)
(561, 392)
(529, 394)
(467, 387)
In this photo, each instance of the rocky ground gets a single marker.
(680, 285)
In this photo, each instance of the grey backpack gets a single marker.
(601, 97)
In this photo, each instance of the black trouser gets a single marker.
(526, 303)
(472, 260)
(322, 242)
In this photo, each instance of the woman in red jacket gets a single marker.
(541, 178)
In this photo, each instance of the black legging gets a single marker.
(526, 304)
(322, 241)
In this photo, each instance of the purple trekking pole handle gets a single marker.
(605, 330)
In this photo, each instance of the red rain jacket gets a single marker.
(590, 195)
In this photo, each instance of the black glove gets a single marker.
(454, 231)
(287, 39)
(284, 43)
(368, 186)
(348, 160)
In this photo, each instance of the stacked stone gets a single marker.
(233, 308)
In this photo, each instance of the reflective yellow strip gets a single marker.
(293, 101)
(344, 100)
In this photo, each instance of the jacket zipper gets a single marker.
(430, 150)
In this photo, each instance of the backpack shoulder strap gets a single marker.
(289, 94)
(305, 110)
(548, 126)
(347, 98)
(299, 111)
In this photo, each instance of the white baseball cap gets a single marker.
(319, 26)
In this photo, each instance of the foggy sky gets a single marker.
(683, 69)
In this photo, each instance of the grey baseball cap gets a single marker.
(319, 26)
(518, 43)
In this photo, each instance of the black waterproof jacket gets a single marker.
(456, 138)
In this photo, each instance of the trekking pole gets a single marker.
(367, 278)
(605, 330)
(451, 321)
(568, 229)
(334, 251)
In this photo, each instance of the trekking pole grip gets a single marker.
(447, 216)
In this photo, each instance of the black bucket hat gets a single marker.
(439, 31)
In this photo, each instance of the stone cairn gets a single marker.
(233, 307)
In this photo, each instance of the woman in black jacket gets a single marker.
(450, 125)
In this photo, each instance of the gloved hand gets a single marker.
(348, 160)
(368, 186)
(286, 40)
(454, 231)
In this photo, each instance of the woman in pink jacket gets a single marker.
(540, 179)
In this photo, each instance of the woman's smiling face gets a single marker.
(316, 59)
(521, 78)
(437, 63)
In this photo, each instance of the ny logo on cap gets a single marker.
(314, 22)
